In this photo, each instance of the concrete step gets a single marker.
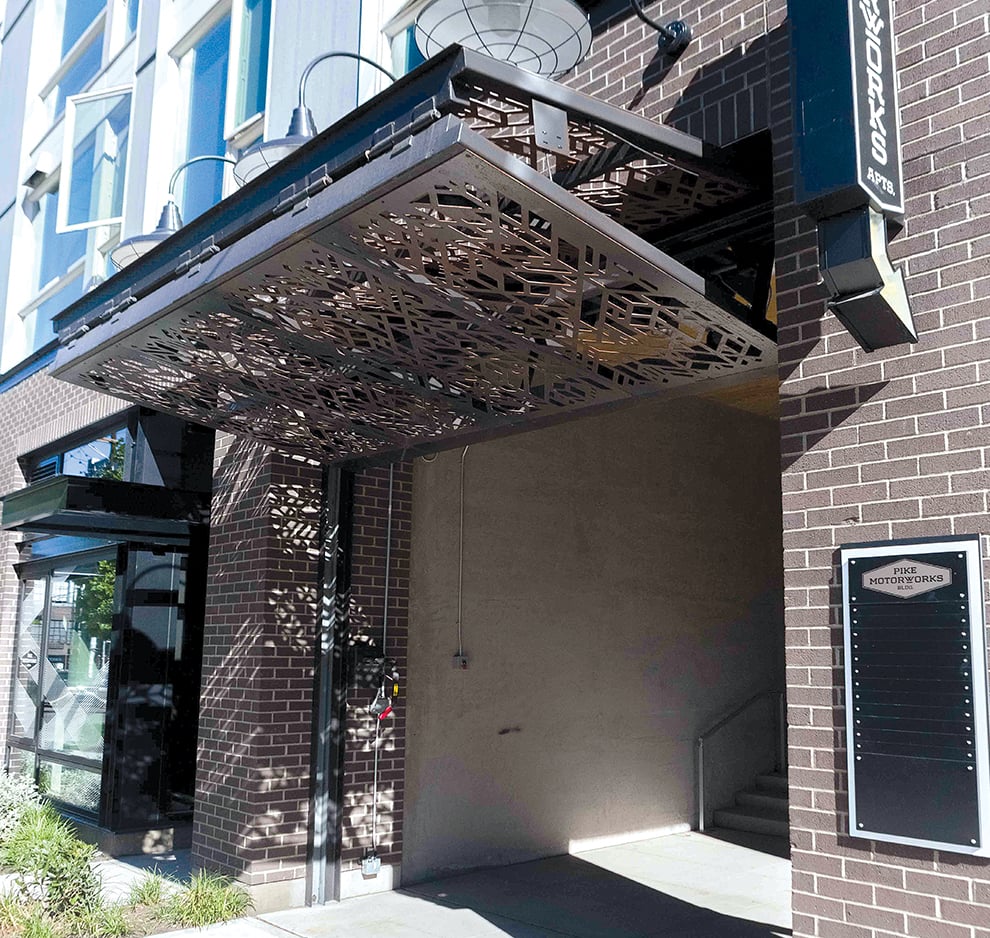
(773, 781)
(759, 798)
(772, 821)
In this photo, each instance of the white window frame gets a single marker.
(68, 154)
(238, 136)
(99, 23)
(398, 24)
(47, 290)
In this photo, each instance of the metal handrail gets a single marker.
(780, 745)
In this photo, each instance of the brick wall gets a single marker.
(889, 444)
(364, 731)
(885, 445)
(33, 413)
(252, 789)
(717, 89)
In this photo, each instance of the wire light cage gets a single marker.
(548, 37)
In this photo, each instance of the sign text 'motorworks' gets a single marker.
(907, 578)
(875, 95)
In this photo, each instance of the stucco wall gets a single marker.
(621, 591)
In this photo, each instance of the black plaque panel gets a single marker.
(915, 680)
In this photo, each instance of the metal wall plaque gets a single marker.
(916, 693)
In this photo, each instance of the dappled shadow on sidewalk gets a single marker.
(569, 896)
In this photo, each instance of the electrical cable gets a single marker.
(460, 561)
(381, 690)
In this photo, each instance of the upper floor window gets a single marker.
(132, 16)
(226, 76)
(77, 17)
(252, 66)
(97, 127)
(400, 34)
(83, 23)
(405, 53)
(83, 27)
(59, 267)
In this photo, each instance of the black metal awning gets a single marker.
(103, 508)
(473, 250)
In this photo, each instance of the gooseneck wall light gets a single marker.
(169, 222)
(302, 127)
(673, 38)
(548, 37)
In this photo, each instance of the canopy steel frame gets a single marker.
(472, 265)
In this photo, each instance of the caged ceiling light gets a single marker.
(548, 37)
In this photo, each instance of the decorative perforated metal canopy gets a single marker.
(490, 257)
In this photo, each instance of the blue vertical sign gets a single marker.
(877, 124)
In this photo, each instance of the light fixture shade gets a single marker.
(262, 156)
(169, 222)
(548, 37)
(127, 252)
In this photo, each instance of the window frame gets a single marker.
(179, 53)
(86, 39)
(237, 136)
(31, 748)
(65, 172)
(238, 133)
(394, 28)
(46, 291)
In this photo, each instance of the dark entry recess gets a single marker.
(916, 698)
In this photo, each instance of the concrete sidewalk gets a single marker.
(681, 886)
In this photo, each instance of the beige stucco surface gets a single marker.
(621, 590)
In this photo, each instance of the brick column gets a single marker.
(252, 789)
(892, 444)
(368, 572)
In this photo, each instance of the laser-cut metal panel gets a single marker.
(441, 290)
(639, 183)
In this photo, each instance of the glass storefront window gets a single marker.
(72, 785)
(60, 691)
(99, 458)
(77, 655)
(27, 681)
(21, 762)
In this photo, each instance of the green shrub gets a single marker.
(52, 866)
(208, 899)
(17, 794)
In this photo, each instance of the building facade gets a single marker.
(416, 635)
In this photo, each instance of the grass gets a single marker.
(57, 892)
(149, 890)
(209, 898)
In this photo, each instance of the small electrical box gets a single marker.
(371, 864)
(460, 662)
